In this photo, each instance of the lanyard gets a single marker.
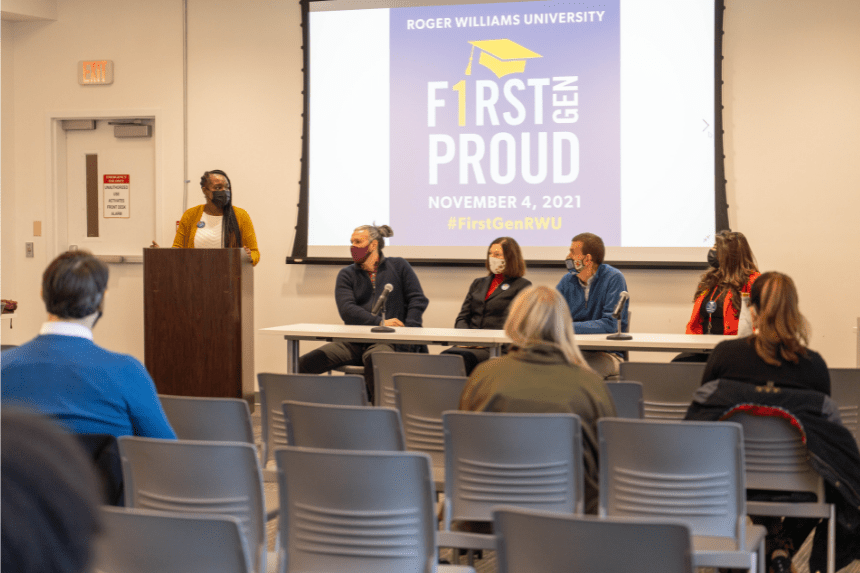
(711, 307)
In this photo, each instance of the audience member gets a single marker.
(591, 289)
(543, 372)
(64, 374)
(774, 368)
(50, 497)
(486, 304)
(358, 288)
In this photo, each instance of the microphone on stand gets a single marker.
(380, 302)
(380, 306)
(623, 297)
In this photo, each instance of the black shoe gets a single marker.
(781, 564)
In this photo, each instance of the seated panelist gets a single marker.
(591, 289)
(358, 287)
(489, 297)
(717, 302)
(217, 223)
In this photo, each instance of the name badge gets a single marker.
(201, 224)
(506, 286)
(711, 307)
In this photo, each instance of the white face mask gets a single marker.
(496, 265)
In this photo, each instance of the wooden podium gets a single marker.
(198, 307)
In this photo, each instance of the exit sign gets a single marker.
(95, 72)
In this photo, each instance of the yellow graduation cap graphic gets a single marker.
(502, 57)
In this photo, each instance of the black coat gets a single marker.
(832, 450)
(489, 314)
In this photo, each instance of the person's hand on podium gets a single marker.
(247, 252)
(154, 245)
(393, 322)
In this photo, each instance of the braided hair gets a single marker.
(231, 234)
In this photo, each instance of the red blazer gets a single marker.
(730, 317)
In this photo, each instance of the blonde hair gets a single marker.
(540, 315)
(782, 332)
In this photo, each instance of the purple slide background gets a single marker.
(589, 50)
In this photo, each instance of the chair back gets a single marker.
(532, 461)
(185, 476)
(145, 541)
(344, 427)
(275, 389)
(692, 471)
(845, 391)
(421, 399)
(387, 364)
(209, 419)
(667, 388)
(356, 511)
(558, 543)
(627, 396)
(776, 456)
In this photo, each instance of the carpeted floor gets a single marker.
(488, 563)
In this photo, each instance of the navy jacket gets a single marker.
(355, 295)
(492, 312)
(595, 316)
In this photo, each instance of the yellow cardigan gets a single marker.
(188, 228)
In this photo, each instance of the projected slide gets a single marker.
(457, 124)
(487, 132)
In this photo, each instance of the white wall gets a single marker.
(791, 118)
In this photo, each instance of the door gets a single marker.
(87, 218)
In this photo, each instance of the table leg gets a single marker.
(292, 356)
(495, 351)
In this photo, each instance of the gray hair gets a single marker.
(540, 315)
(376, 233)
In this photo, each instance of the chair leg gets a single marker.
(831, 540)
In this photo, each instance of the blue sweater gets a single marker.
(86, 388)
(595, 316)
(355, 295)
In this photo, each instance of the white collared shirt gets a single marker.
(66, 329)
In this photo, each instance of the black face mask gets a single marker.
(712, 259)
(221, 198)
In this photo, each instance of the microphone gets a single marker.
(380, 302)
(622, 298)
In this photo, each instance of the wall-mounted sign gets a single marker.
(117, 196)
(95, 72)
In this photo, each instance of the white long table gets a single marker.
(494, 339)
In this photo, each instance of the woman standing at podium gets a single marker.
(217, 223)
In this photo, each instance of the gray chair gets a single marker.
(627, 396)
(667, 387)
(343, 427)
(356, 512)
(387, 364)
(560, 543)
(145, 541)
(776, 460)
(687, 471)
(532, 461)
(275, 389)
(184, 476)
(421, 399)
(209, 419)
(845, 391)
